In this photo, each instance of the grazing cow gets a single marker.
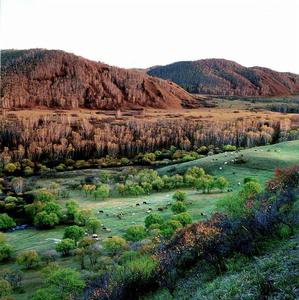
(160, 208)
(104, 228)
(137, 204)
(101, 211)
(144, 202)
(108, 230)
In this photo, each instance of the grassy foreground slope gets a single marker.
(258, 162)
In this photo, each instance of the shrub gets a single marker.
(28, 259)
(10, 168)
(6, 222)
(128, 256)
(5, 251)
(205, 183)
(141, 268)
(169, 227)
(115, 245)
(28, 171)
(65, 246)
(184, 218)
(135, 233)
(153, 218)
(178, 207)
(179, 196)
(45, 196)
(5, 288)
(46, 220)
(65, 283)
(49, 256)
(73, 232)
(221, 183)
(102, 191)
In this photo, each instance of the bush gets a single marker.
(5, 288)
(46, 220)
(168, 228)
(45, 196)
(10, 168)
(184, 218)
(179, 196)
(141, 268)
(153, 218)
(135, 233)
(128, 256)
(65, 246)
(6, 222)
(178, 207)
(115, 245)
(221, 183)
(63, 283)
(28, 171)
(5, 251)
(28, 259)
(73, 232)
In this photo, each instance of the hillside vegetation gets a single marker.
(224, 77)
(54, 78)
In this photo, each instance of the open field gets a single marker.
(45, 239)
(259, 162)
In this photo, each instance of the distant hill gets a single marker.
(224, 77)
(54, 78)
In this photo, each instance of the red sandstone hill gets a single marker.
(224, 77)
(54, 78)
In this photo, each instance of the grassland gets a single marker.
(259, 162)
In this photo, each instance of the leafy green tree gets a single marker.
(169, 227)
(72, 207)
(135, 233)
(65, 246)
(82, 216)
(250, 189)
(73, 232)
(153, 218)
(179, 196)
(53, 207)
(46, 220)
(93, 225)
(158, 184)
(61, 284)
(178, 207)
(28, 259)
(184, 218)
(206, 183)
(115, 245)
(102, 191)
(44, 294)
(195, 172)
(5, 251)
(221, 183)
(6, 222)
